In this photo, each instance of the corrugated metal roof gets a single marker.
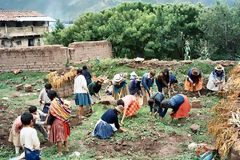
(49, 19)
(8, 15)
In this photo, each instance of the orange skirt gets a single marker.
(183, 110)
(189, 87)
(133, 109)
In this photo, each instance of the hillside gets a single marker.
(68, 10)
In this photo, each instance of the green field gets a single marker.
(146, 137)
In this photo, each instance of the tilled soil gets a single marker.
(160, 144)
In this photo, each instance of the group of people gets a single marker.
(127, 96)
(56, 112)
(54, 115)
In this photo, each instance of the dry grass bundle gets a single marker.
(224, 124)
(58, 79)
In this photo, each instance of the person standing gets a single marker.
(147, 83)
(87, 75)
(58, 122)
(44, 99)
(29, 138)
(82, 98)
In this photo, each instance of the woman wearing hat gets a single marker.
(180, 106)
(95, 87)
(134, 85)
(194, 82)
(108, 124)
(216, 79)
(119, 86)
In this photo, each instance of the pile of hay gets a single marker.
(62, 81)
(225, 123)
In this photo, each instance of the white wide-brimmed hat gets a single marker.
(117, 78)
(219, 67)
(133, 75)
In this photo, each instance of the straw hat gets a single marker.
(219, 67)
(117, 78)
(119, 109)
(195, 71)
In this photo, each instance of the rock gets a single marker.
(17, 71)
(192, 146)
(15, 95)
(34, 84)
(75, 154)
(195, 128)
(28, 88)
(196, 103)
(107, 100)
(19, 87)
(138, 59)
(5, 98)
(39, 82)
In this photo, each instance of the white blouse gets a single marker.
(80, 84)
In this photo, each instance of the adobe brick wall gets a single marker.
(41, 58)
(52, 57)
(89, 50)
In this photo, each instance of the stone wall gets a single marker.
(53, 57)
(89, 50)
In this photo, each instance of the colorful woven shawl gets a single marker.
(60, 110)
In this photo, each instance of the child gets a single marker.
(37, 121)
(28, 138)
(14, 135)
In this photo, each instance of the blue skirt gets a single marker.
(103, 130)
(82, 99)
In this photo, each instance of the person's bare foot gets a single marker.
(60, 154)
(66, 149)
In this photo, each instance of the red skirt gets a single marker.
(183, 110)
(60, 131)
(133, 108)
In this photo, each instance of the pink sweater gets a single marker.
(128, 99)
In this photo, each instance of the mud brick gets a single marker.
(196, 104)
(28, 88)
(19, 87)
